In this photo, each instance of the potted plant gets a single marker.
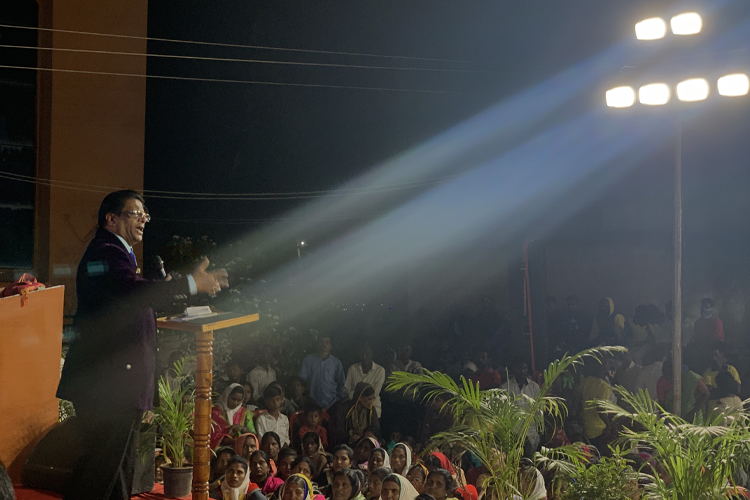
(174, 416)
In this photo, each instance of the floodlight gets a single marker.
(620, 97)
(654, 94)
(734, 85)
(694, 89)
(651, 29)
(688, 23)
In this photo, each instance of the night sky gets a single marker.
(228, 138)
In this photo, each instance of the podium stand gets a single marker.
(204, 329)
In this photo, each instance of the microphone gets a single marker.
(160, 264)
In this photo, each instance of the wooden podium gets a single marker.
(204, 361)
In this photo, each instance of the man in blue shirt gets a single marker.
(325, 373)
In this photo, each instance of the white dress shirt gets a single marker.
(375, 377)
(259, 378)
(267, 423)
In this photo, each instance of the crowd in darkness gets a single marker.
(347, 436)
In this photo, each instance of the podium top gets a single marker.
(207, 323)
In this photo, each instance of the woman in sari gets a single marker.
(362, 452)
(397, 487)
(361, 414)
(237, 485)
(229, 418)
(347, 485)
(260, 473)
(378, 458)
(438, 460)
(245, 444)
(296, 487)
(401, 459)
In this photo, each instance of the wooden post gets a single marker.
(204, 329)
(204, 362)
(677, 305)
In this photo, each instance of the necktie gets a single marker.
(132, 256)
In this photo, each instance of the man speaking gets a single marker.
(109, 370)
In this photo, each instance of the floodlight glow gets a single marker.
(688, 23)
(651, 29)
(620, 97)
(734, 85)
(694, 89)
(654, 94)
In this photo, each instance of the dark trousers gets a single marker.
(105, 468)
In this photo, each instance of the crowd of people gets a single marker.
(336, 433)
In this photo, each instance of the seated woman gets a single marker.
(438, 460)
(286, 458)
(361, 414)
(237, 485)
(260, 473)
(347, 485)
(378, 458)
(229, 418)
(417, 476)
(271, 444)
(296, 487)
(219, 463)
(246, 444)
(401, 459)
(397, 487)
(374, 487)
(362, 452)
(304, 466)
(439, 484)
(313, 449)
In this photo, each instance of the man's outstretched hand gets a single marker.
(210, 282)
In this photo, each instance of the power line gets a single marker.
(191, 194)
(246, 82)
(233, 45)
(254, 61)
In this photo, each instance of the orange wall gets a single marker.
(91, 128)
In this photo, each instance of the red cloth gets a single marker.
(239, 442)
(663, 386)
(709, 329)
(320, 430)
(488, 379)
(220, 427)
(444, 462)
(468, 492)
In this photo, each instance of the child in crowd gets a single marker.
(260, 473)
(273, 419)
(247, 399)
(271, 444)
(313, 449)
(219, 462)
(312, 416)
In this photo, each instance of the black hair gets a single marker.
(299, 460)
(424, 496)
(375, 432)
(394, 478)
(271, 391)
(707, 302)
(726, 384)
(381, 472)
(311, 435)
(237, 459)
(354, 479)
(446, 476)
(432, 462)
(263, 454)
(287, 452)
(382, 451)
(311, 406)
(220, 451)
(369, 391)
(237, 389)
(293, 479)
(346, 448)
(270, 434)
(6, 485)
(114, 203)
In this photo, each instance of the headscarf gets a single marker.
(407, 491)
(444, 462)
(239, 442)
(224, 402)
(308, 487)
(359, 419)
(239, 493)
(386, 458)
(407, 451)
(366, 464)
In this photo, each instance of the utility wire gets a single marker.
(233, 45)
(253, 61)
(246, 82)
(191, 194)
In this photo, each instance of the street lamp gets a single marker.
(659, 94)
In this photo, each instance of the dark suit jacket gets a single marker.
(112, 359)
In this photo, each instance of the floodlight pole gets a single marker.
(677, 301)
